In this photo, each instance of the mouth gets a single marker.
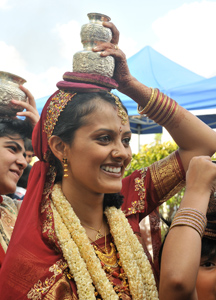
(16, 173)
(112, 169)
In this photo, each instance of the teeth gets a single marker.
(111, 169)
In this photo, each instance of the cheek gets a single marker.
(206, 285)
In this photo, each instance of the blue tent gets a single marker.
(190, 90)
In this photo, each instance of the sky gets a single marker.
(38, 38)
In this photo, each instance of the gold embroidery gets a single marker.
(138, 205)
(42, 288)
(56, 106)
(167, 177)
(61, 290)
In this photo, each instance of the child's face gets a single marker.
(206, 279)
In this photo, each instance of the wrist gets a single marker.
(196, 198)
(135, 90)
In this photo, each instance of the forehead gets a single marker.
(106, 113)
(13, 139)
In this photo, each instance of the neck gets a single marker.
(87, 205)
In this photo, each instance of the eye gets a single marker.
(105, 139)
(13, 148)
(207, 264)
(126, 141)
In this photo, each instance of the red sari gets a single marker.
(34, 267)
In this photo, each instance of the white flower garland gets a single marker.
(81, 257)
(116, 216)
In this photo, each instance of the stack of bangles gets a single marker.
(159, 108)
(192, 218)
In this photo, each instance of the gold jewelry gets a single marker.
(192, 218)
(142, 110)
(121, 112)
(99, 234)
(65, 165)
(116, 47)
(160, 108)
(109, 258)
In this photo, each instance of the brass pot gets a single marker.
(9, 89)
(92, 34)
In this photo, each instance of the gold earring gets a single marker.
(65, 166)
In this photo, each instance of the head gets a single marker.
(29, 150)
(89, 133)
(13, 133)
(206, 279)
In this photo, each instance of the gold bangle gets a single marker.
(192, 218)
(141, 110)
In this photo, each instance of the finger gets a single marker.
(29, 95)
(115, 32)
(33, 118)
(103, 46)
(24, 105)
(116, 53)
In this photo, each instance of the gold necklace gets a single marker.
(99, 234)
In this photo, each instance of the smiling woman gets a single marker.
(13, 132)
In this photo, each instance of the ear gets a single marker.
(57, 146)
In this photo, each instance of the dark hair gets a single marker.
(73, 117)
(12, 127)
(28, 145)
(208, 247)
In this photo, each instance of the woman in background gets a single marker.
(13, 133)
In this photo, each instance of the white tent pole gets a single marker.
(138, 132)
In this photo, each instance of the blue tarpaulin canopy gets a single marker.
(190, 90)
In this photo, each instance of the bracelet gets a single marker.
(142, 110)
(160, 108)
(192, 218)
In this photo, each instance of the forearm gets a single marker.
(181, 253)
(193, 137)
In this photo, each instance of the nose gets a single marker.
(21, 161)
(121, 152)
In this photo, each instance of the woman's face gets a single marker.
(206, 280)
(12, 163)
(100, 152)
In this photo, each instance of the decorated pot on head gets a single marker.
(92, 34)
(9, 89)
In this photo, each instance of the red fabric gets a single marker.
(91, 78)
(80, 87)
(2, 255)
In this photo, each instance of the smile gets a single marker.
(16, 173)
(109, 169)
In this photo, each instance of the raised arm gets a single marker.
(193, 137)
(182, 248)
